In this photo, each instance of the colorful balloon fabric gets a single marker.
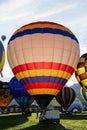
(66, 96)
(75, 106)
(20, 94)
(81, 71)
(5, 95)
(43, 55)
(83, 94)
(2, 56)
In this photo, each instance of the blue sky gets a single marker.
(70, 13)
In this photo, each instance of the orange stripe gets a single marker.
(43, 25)
(43, 91)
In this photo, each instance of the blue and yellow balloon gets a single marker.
(2, 56)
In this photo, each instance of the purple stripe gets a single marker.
(1, 50)
(43, 79)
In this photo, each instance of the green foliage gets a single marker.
(20, 122)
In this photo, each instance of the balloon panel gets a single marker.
(5, 95)
(41, 56)
(19, 93)
(66, 96)
(2, 56)
(75, 105)
(81, 71)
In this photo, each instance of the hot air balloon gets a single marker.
(3, 37)
(5, 95)
(66, 96)
(75, 107)
(43, 55)
(20, 94)
(83, 94)
(81, 71)
(2, 56)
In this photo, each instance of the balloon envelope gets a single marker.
(20, 94)
(75, 105)
(43, 56)
(83, 94)
(66, 96)
(5, 95)
(81, 71)
(2, 56)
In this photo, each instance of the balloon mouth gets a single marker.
(43, 100)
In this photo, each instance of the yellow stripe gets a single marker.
(2, 61)
(43, 91)
(86, 93)
(82, 59)
(80, 70)
(41, 25)
(43, 72)
(82, 93)
(84, 82)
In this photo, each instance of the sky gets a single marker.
(16, 13)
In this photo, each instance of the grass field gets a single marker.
(20, 122)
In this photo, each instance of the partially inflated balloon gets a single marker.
(2, 56)
(5, 95)
(81, 71)
(75, 106)
(43, 56)
(66, 96)
(83, 94)
(20, 94)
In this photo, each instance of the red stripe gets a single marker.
(43, 85)
(43, 65)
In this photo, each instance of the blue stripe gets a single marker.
(43, 30)
(43, 79)
(1, 50)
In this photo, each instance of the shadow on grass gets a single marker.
(7, 121)
(74, 116)
(44, 126)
